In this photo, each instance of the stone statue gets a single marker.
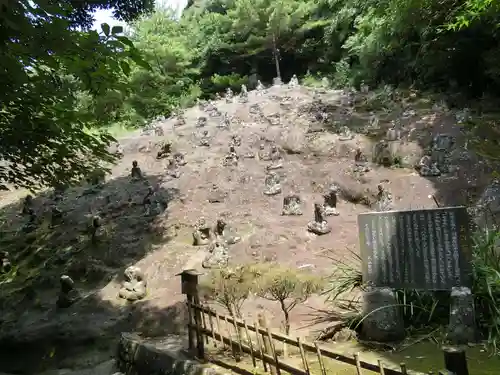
(96, 230)
(346, 134)
(225, 121)
(201, 122)
(235, 140)
(325, 83)
(165, 150)
(243, 94)
(275, 158)
(218, 255)
(231, 158)
(134, 287)
(229, 95)
(273, 185)
(382, 154)
(136, 173)
(260, 87)
(202, 233)
(68, 294)
(330, 204)
(159, 132)
(443, 142)
(292, 205)
(222, 234)
(218, 96)
(319, 225)
(32, 223)
(173, 169)
(426, 168)
(294, 81)
(5, 264)
(180, 121)
(216, 195)
(263, 154)
(56, 216)
(360, 162)
(393, 134)
(384, 199)
(27, 205)
(205, 139)
(179, 159)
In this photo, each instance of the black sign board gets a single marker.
(422, 249)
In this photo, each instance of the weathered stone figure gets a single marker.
(319, 225)
(360, 162)
(180, 121)
(325, 83)
(222, 234)
(202, 233)
(134, 287)
(225, 121)
(443, 142)
(393, 134)
(275, 158)
(173, 169)
(68, 294)
(27, 204)
(5, 264)
(136, 172)
(330, 204)
(260, 87)
(229, 95)
(426, 168)
(216, 195)
(96, 229)
(218, 255)
(231, 158)
(159, 132)
(384, 199)
(165, 150)
(294, 81)
(152, 205)
(235, 140)
(273, 185)
(292, 205)
(179, 159)
(205, 139)
(382, 154)
(243, 94)
(346, 134)
(255, 109)
(32, 223)
(263, 154)
(56, 216)
(201, 122)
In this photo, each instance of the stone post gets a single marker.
(382, 319)
(189, 287)
(455, 361)
(462, 324)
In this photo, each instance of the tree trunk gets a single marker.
(286, 315)
(276, 58)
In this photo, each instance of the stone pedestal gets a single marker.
(462, 325)
(383, 321)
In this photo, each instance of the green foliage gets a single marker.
(233, 81)
(51, 72)
(288, 287)
(229, 288)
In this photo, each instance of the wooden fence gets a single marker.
(259, 342)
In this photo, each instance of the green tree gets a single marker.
(45, 62)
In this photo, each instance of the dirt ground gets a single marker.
(162, 246)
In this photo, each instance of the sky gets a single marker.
(106, 16)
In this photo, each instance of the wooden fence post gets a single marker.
(266, 344)
(189, 287)
(455, 360)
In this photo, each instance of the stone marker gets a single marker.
(422, 249)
